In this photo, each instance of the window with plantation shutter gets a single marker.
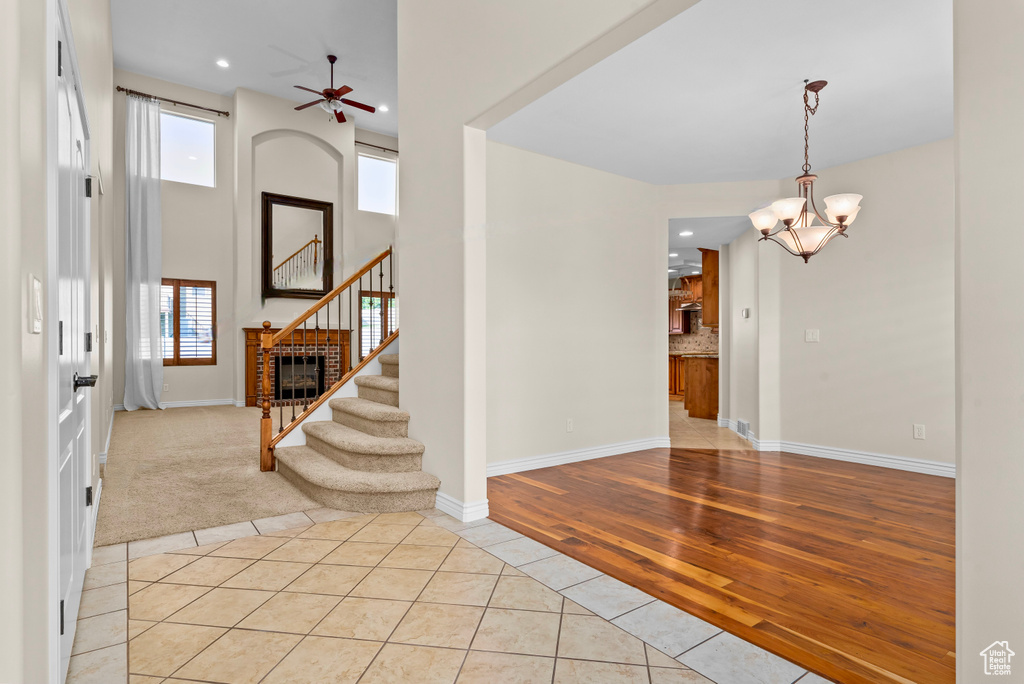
(188, 322)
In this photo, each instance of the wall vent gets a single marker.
(743, 428)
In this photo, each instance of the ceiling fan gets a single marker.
(332, 98)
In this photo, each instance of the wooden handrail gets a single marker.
(327, 395)
(315, 241)
(287, 330)
(269, 341)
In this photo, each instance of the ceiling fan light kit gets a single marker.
(333, 98)
(800, 235)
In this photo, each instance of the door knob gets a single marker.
(85, 381)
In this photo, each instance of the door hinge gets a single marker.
(88, 495)
(62, 617)
(60, 338)
(88, 341)
(60, 72)
(88, 187)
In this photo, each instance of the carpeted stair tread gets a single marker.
(370, 410)
(348, 439)
(388, 359)
(381, 382)
(321, 471)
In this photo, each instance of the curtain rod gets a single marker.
(128, 91)
(386, 149)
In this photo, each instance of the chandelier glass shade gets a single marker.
(804, 230)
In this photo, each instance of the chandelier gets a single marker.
(799, 234)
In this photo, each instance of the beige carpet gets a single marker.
(187, 469)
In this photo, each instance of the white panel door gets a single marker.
(73, 360)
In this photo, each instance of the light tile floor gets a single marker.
(328, 596)
(698, 433)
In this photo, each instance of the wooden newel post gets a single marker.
(266, 424)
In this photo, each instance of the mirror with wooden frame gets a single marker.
(297, 246)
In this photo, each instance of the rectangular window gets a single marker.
(187, 150)
(378, 182)
(372, 319)
(188, 322)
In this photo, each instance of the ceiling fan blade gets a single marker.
(343, 90)
(315, 92)
(360, 105)
(308, 104)
(340, 116)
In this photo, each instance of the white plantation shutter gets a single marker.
(195, 322)
(167, 326)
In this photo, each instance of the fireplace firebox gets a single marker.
(298, 377)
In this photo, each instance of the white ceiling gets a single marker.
(715, 94)
(708, 233)
(270, 45)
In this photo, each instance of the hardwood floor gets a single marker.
(844, 569)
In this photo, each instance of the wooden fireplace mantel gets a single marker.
(309, 338)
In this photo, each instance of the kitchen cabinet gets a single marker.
(675, 316)
(701, 382)
(676, 378)
(709, 285)
(678, 321)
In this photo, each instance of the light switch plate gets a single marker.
(36, 322)
(811, 335)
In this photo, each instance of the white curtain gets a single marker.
(144, 366)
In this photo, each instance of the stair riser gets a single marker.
(389, 370)
(367, 463)
(359, 502)
(377, 428)
(381, 396)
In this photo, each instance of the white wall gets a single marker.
(459, 62)
(883, 302)
(742, 339)
(989, 146)
(575, 285)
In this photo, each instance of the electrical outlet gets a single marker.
(166, 387)
(568, 424)
(918, 431)
(811, 335)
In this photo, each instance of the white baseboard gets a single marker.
(533, 462)
(734, 426)
(102, 458)
(914, 465)
(466, 512)
(239, 404)
(194, 402)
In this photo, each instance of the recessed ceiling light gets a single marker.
(673, 254)
(223, 63)
(686, 233)
(695, 273)
(191, 158)
(671, 270)
(383, 108)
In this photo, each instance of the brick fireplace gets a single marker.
(330, 348)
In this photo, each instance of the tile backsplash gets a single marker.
(705, 340)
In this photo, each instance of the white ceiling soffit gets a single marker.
(708, 233)
(715, 94)
(270, 46)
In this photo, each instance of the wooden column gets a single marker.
(266, 424)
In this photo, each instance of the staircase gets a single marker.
(363, 459)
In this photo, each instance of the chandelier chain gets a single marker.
(808, 112)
